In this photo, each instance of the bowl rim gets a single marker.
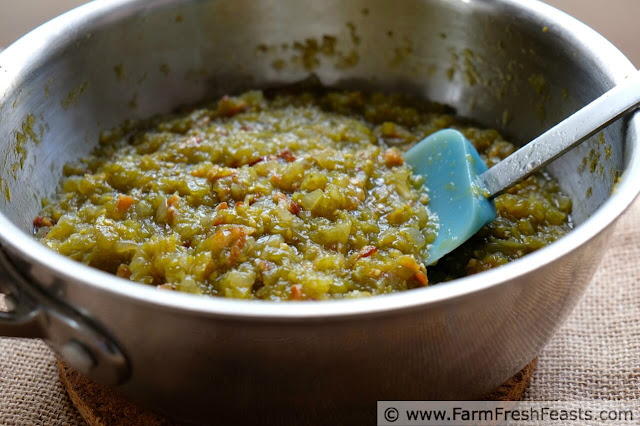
(613, 63)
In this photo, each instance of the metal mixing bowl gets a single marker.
(520, 66)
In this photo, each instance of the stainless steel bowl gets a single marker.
(518, 65)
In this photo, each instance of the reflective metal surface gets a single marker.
(562, 137)
(193, 356)
(34, 313)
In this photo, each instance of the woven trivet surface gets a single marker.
(595, 355)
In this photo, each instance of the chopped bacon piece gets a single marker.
(40, 222)
(219, 220)
(222, 238)
(173, 200)
(418, 269)
(366, 251)
(261, 159)
(239, 204)
(234, 237)
(222, 206)
(296, 292)
(294, 208)
(255, 161)
(392, 158)
(287, 156)
(228, 107)
(217, 172)
(254, 197)
(275, 179)
(124, 202)
(422, 278)
(236, 248)
(279, 196)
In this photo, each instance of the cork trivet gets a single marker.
(513, 389)
(100, 406)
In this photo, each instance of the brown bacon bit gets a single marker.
(221, 239)
(219, 220)
(275, 179)
(123, 271)
(279, 196)
(218, 172)
(287, 156)
(392, 158)
(124, 202)
(296, 292)
(228, 107)
(236, 248)
(418, 269)
(239, 204)
(422, 278)
(40, 222)
(261, 159)
(186, 244)
(235, 237)
(256, 161)
(173, 200)
(222, 206)
(294, 208)
(198, 139)
(366, 251)
(254, 197)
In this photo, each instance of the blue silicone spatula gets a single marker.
(461, 187)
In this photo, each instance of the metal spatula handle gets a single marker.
(562, 137)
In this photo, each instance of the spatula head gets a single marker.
(450, 165)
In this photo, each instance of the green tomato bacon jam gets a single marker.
(289, 195)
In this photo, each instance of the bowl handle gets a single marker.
(20, 320)
(80, 341)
